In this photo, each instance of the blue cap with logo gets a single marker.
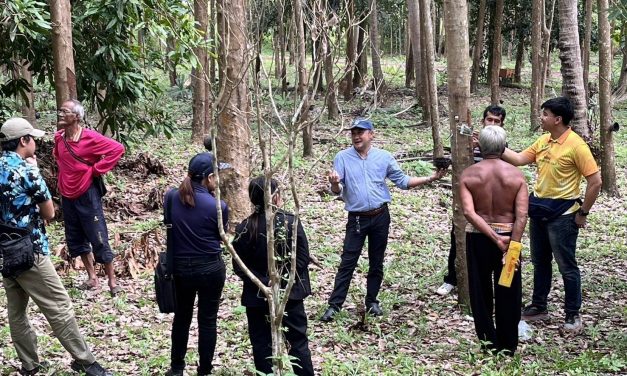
(201, 166)
(362, 124)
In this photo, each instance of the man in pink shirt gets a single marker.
(82, 155)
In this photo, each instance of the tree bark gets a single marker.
(413, 19)
(430, 84)
(361, 66)
(199, 74)
(409, 63)
(169, 63)
(375, 42)
(456, 25)
(572, 72)
(495, 63)
(585, 48)
(350, 51)
(232, 112)
(62, 51)
(478, 50)
(620, 92)
(608, 163)
(28, 103)
(302, 120)
(520, 58)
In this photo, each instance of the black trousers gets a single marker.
(205, 279)
(451, 275)
(487, 296)
(376, 229)
(295, 321)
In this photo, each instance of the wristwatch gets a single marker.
(582, 212)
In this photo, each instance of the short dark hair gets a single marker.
(560, 106)
(495, 110)
(12, 145)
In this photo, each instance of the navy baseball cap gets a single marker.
(362, 124)
(201, 166)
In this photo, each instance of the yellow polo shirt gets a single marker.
(561, 165)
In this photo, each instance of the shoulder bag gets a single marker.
(16, 250)
(547, 209)
(97, 181)
(164, 281)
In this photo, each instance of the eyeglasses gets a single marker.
(64, 111)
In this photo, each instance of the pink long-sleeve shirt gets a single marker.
(75, 177)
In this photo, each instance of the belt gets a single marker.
(371, 213)
(197, 260)
(499, 228)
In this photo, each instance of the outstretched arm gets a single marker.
(516, 159)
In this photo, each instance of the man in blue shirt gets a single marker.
(359, 178)
(25, 202)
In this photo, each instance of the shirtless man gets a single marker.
(494, 199)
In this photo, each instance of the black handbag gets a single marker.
(165, 292)
(97, 181)
(546, 209)
(16, 250)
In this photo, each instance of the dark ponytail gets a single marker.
(256, 194)
(186, 192)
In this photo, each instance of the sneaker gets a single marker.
(573, 322)
(445, 289)
(39, 367)
(328, 314)
(93, 369)
(534, 312)
(174, 372)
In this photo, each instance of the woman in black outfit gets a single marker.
(250, 244)
(198, 265)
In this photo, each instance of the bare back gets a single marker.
(495, 186)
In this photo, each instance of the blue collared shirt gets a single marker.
(363, 179)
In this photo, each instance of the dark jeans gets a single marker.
(556, 238)
(206, 279)
(295, 321)
(487, 296)
(85, 224)
(451, 276)
(376, 228)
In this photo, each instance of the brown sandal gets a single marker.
(85, 286)
(116, 290)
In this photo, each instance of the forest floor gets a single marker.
(420, 333)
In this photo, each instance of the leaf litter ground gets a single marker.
(420, 333)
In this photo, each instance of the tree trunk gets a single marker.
(361, 66)
(377, 72)
(170, 65)
(302, 120)
(199, 74)
(431, 89)
(495, 62)
(413, 19)
(328, 72)
(409, 63)
(537, 9)
(213, 14)
(350, 52)
(572, 72)
(585, 49)
(520, 58)
(608, 164)
(62, 51)
(456, 24)
(28, 103)
(620, 92)
(478, 50)
(233, 130)
(282, 47)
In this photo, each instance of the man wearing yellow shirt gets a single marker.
(555, 211)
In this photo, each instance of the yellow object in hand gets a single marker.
(511, 261)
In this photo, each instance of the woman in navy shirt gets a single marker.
(198, 267)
